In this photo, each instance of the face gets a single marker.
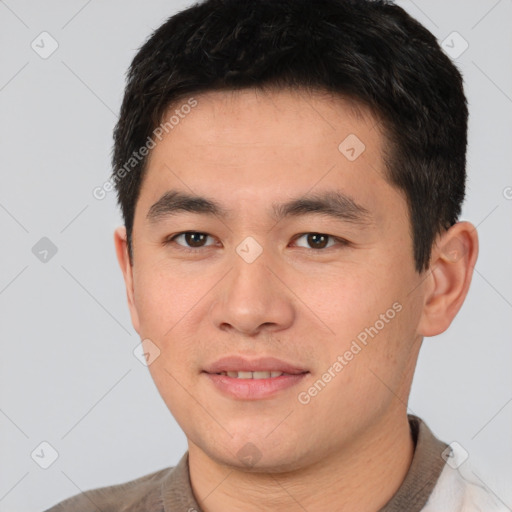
(266, 239)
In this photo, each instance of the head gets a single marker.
(291, 175)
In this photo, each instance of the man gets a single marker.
(291, 175)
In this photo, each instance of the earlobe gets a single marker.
(451, 268)
(121, 246)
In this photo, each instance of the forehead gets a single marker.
(256, 117)
(253, 147)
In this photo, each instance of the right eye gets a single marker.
(190, 240)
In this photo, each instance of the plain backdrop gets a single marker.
(68, 375)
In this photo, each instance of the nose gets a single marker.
(252, 299)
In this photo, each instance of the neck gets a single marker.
(363, 477)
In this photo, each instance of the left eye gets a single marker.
(316, 241)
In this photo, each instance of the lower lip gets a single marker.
(253, 389)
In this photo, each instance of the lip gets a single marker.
(253, 389)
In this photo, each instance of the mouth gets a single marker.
(253, 375)
(246, 379)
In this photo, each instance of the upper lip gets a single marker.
(260, 364)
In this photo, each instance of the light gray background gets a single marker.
(67, 372)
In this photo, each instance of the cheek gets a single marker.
(370, 320)
(348, 302)
(164, 299)
(170, 303)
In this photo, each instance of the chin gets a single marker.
(264, 457)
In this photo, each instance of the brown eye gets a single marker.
(195, 239)
(192, 239)
(315, 241)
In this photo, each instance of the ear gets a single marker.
(123, 258)
(453, 258)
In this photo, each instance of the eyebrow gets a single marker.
(333, 204)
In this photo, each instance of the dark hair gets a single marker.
(370, 51)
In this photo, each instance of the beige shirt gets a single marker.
(169, 490)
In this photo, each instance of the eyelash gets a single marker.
(171, 240)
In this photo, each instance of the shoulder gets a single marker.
(459, 489)
(143, 493)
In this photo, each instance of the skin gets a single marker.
(248, 150)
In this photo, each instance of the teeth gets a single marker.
(261, 375)
(252, 375)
